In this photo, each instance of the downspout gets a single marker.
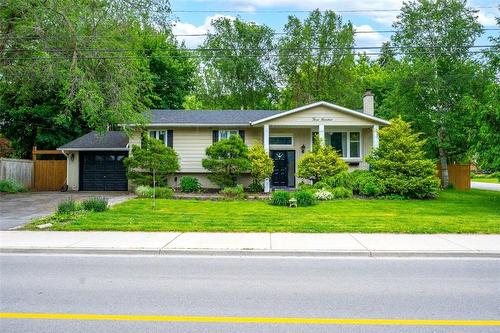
(67, 165)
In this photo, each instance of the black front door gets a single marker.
(280, 174)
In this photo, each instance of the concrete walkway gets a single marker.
(485, 186)
(251, 243)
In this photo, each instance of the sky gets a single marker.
(274, 13)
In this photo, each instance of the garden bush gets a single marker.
(372, 188)
(322, 184)
(160, 193)
(342, 179)
(144, 191)
(280, 198)
(67, 206)
(164, 193)
(256, 188)
(323, 194)
(11, 186)
(341, 193)
(304, 198)
(233, 193)
(190, 184)
(303, 186)
(95, 204)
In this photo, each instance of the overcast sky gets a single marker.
(255, 10)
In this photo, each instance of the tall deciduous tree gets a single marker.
(316, 61)
(435, 38)
(236, 69)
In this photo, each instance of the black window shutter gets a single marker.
(215, 136)
(242, 134)
(170, 138)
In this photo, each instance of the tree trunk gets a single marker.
(443, 159)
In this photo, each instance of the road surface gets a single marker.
(84, 293)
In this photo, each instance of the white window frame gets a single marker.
(157, 135)
(277, 135)
(236, 132)
(348, 146)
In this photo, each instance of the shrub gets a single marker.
(164, 193)
(400, 162)
(372, 188)
(95, 204)
(11, 186)
(261, 165)
(280, 198)
(359, 179)
(308, 187)
(323, 194)
(342, 179)
(226, 160)
(67, 206)
(321, 163)
(144, 191)
(341, 193)
(233, 193)
(190, 184)
(256, 188)
(321, 184)
(304, 198)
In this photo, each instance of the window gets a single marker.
(347, 144)
(225, 134)
(160, 135)
(281, 140)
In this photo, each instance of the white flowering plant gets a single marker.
(323, 194)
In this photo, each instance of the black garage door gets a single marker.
(103, 171)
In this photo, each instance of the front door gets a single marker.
(280, 174)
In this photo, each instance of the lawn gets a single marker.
(474, 211)
(485, 180)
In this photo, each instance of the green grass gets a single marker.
(485, 180)
(474, 211)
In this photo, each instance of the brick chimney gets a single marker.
(368, 103)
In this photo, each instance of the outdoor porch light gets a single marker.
(303, 148)
(72, 157)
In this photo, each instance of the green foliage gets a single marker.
(236, 80)
(153, 155)
(144, 191)
(304, 198)
(342, 179)
(373, 187)
(226, 160)
(233, 193)
(255, 188)
(400, 162)
(341, 193)
(190, 184)
(95, 204)
(279, 198)
(11, 186)
(261, 165)
(320, 163)
(323, 194)
(164, 193)
(67, 206)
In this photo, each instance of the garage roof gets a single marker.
(111, 140)
(209, 117)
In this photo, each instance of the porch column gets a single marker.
(375, 136)
(321, 133)
(267, 184)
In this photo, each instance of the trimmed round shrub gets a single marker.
(280, 198)
(11, 186)
(304, 198)
(144, 191)
(341, 193)
(255, 188)
(163, 193)
(95, 204)
(323, 194)
(190, 184)
(342, 179)
(67, 206)
(233, 193)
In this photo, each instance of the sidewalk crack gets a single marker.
(359, 242)
(457, 244)
(168, 243)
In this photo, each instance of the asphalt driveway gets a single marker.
(485, 186)
(19, 209)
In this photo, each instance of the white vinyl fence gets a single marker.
(19, 170)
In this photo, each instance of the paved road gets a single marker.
(434, 289)
(20, 208)
(485, 186)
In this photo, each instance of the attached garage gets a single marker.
(95, 162)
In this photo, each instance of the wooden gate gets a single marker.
(49, 175)
(458, 175)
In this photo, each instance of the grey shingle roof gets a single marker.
(216, 117)
(96, 140)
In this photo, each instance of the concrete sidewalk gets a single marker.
(485, 186)
(341, 244)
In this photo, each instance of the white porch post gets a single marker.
(322, 133)
(267, 184)
(375, 136)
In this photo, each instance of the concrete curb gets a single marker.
(263, 253)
